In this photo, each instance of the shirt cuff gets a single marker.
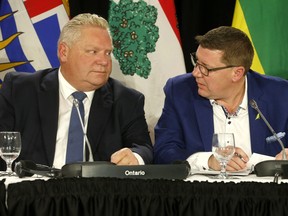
(139, 158)
(199, 160)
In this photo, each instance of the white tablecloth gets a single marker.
(248, 178)
(16, 179)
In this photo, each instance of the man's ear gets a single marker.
(238, 73)
(63, 50)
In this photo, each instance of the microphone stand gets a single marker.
(270, 167)
(255, 106)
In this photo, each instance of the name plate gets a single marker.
(106, 169)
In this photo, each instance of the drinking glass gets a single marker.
(223, 148)
(10, 148)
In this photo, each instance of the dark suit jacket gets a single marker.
(29, 103)
(186, 124)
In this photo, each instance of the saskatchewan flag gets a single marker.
(265, 22)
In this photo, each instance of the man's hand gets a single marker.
(237, 162)
(124, 157)
(279, 156)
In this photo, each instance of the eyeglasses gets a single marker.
(203, 69)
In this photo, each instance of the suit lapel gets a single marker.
(204, 115)
(49, 106)
(257, 126)
(100, 112)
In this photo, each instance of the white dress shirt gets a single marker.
(239, 125)
(65, 108)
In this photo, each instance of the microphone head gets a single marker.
(253, 104)
(23, 167)
(29, 168)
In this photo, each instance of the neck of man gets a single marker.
(233, 101)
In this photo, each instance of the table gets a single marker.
(197, 195)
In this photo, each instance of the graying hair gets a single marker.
(72, 30)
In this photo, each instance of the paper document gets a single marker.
(254, 159)
(213, 172)
(257, 158)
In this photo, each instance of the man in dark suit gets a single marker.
(39, 104)
(215, 99)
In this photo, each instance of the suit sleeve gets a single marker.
(169, 141)
(7, 115)
(136, 131)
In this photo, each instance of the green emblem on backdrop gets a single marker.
(135, 34)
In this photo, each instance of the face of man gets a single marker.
(87, 63)
(217, 84)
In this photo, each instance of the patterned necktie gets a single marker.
(76, 134)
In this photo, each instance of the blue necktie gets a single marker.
(76, 135)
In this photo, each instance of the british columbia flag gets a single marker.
(29, 31)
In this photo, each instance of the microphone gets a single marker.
(28, 168)
(272, 138)
(270, 167)
(254, 105)
(76, 104)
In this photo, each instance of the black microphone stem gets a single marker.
(255, 106)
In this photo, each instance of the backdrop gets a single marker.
(153, 39)
(194, 17)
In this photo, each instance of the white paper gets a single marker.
(257, 158)
(254, 159)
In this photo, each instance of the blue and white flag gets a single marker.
(29, 32)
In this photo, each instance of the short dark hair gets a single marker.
(235, 44)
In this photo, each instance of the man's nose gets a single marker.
(102, 59)
(196, 72)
